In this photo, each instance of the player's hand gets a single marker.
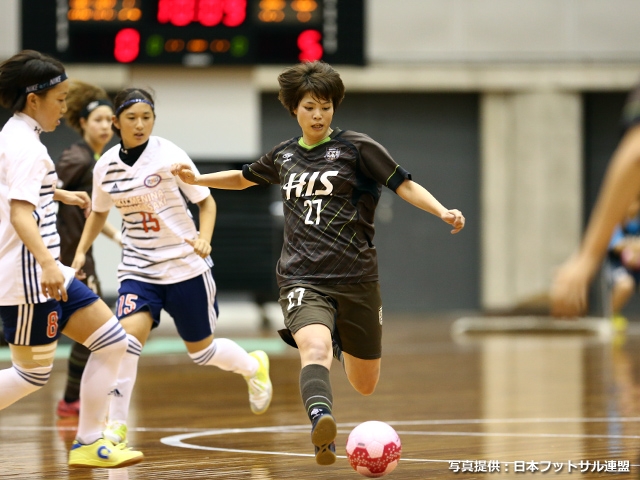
(80, 199)
(53, 282)
(78, 262)
(454, 218)
(569, 290)
(184, 172)
(201, 247)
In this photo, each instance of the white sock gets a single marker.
(227, 355)
(121, 394)
(16, 383)
(107, 344)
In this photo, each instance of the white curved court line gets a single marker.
(178, 440)
(191, 433)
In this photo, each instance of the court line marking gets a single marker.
(460, 421)
(178, 440)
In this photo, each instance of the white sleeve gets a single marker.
(25, 174)
(100, 199)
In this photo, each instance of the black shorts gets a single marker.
(355, 310)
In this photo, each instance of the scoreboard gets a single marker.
(196, 32)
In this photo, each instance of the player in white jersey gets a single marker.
(39, 297)
(165, 260)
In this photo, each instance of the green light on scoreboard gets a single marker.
(155, 45)
(239, 46)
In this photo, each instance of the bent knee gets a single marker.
(363, 375)
(365, 388)
(316, 351)
(626, 284)
(35, 377)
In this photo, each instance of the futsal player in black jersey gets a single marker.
(331, 181)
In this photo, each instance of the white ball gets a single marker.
(373, 449)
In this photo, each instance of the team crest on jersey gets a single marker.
(152, 180)
(332, 154)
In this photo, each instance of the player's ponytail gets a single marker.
(27, 72)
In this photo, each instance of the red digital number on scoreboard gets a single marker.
(310, 45)
(209, 13)
(127, 45)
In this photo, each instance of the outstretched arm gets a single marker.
(419, 197)
(227, 180)
(82, 200)
(78, 198)
(621, 185)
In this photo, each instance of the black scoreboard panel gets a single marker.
(196, 32)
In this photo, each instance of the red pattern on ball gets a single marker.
(373, 449)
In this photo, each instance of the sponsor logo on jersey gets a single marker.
(303, 188)
(149, 202)
(286, 157)
(332, 154)
(152, 180)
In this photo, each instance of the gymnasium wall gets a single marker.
(493, 87)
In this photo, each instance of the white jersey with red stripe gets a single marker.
(27, 173)
(154, 212)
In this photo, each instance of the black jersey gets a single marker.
(330, 193)
(75, 173)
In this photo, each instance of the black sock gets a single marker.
(315, 388)
(77, 361)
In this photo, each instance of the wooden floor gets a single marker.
(565, 403)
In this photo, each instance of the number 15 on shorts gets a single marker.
(295, 298)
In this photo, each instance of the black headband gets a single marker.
(44, 85)
(128, 103)
(91, 106)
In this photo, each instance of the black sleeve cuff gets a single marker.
(252, 177)
(398, 177)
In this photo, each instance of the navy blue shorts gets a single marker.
(617, 270)
(41, 323)
(191, 303)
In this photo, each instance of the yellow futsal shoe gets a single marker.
(103, 454)
(619, 323)
(260, 388)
